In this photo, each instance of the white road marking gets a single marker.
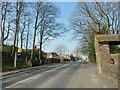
(93, 75)
(2, 77)
(51, 81)
(104, 86)
(94, 80)
(8, 80)
(35, 76)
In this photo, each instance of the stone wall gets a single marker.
(111, 72)
(116, 57)
(103, 56)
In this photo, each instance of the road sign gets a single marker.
(20, 50)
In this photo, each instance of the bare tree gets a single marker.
(23, 29)
(4, 9)
(91, 18)
(49, 27)
(46, 24)
(60, 49)
(77, 51)
(28, 32)
(18, 27)
(36, 26)
(18, 13)
(94, 16)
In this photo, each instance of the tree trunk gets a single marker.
(22, 36)
(2, 43)
(3, 29)
(32, 53)
(40, 50)
(27, 34)
(13, 52)
(99, 28)
(17, 36)
(18, 12)
(27, 40)
(21, 41)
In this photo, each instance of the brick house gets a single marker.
(69, 57)
(52, 55)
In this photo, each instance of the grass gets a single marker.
(84, 62)
(8, 66)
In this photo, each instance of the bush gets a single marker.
(84, 62)
(35, 62)
(114, 49)
(6, 56)
(54, 60)
(66, 60)
(22, 64)
(9, 65)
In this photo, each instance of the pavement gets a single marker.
(65, 75)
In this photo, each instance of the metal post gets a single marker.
(68, 51)
(15, 60)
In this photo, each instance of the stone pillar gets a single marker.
(104, 53)
(97, 55)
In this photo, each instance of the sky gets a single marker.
(67, 9)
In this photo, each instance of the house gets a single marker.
(66, 57)
(72, 58)
(52, 55)
(69, 57)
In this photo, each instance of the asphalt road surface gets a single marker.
(65, 75)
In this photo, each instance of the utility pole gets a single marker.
(68, 51)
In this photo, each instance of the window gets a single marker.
(114, 49)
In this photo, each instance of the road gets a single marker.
(66, 75)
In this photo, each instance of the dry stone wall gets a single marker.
(103, 56)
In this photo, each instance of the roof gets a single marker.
(53, 53)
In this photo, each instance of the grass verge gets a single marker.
(8, 66)
(84, 62)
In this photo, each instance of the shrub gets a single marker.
(84, 62)
(9, 65)
(35, 62)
